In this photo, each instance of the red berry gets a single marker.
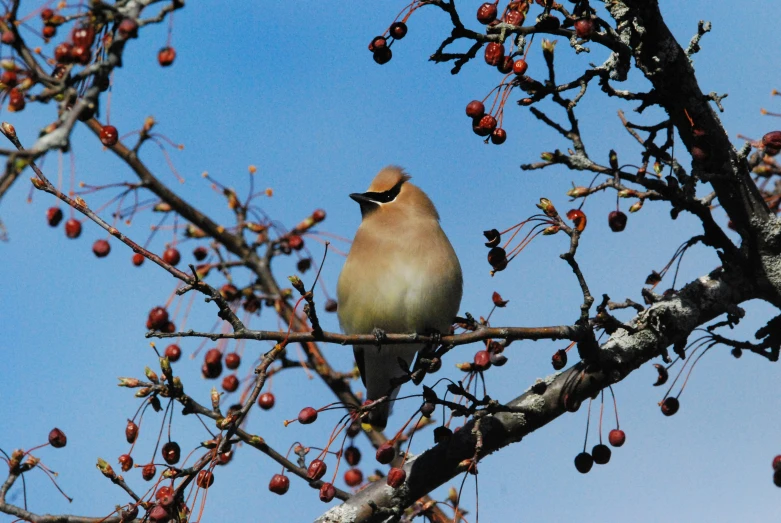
(514, 17)
(57, 438)
(352, 455)
(559, 359)
(173, 352)
(230, 383)
(164, 492)
(616, 437)
(171, 256)
(330, 305)
(213, 356)
(296, 242)
(73, 228)
(266, 401)
(584, 462)
(377, 43)
(16, 101)
(149, 471)
(171, 452)
(200, 253)
(62, 53)
(128, 28)
(54, 216)
(584, 28)
(138, 259)
(777, 462)
(578, 217)
(771, 143)
(211, 372)
(475, 109)
(125, 462)
(396, 477)
(46, 14)
(670, 406)
(109, 135)
(484, 126)
(486, 13)
(353, 477)
(398, 30)
(279, 484)
(327, 492)
(482, 360)
(205, 479)
(49, 31)
(166, 56)
(494, 53)
(318, 215)
(9, 78)
(232, 360)
(8, 37)
(101, 248)
(158, 318)
(520, 66)
(601, 454)
(316, 469)
(498, 136)
(81, 54)
(382, 55)
(385, 453)
(307, 415)
(131, 431)
(617, 221)
(83, 35)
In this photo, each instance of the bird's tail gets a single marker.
(381, 367)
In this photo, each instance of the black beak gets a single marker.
(361, 199)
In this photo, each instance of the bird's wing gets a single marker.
(358, 353)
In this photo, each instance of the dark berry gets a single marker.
(617, 221)
(584, 462)
(57, 438)
(279, 484)
(266, 401)
(307, 415)
(171, 452)
(601, 454)
(670, 406)
(54, 216)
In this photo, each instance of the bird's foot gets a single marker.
(379, 335)
(436, 338)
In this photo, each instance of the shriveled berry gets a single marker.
(494, 53)
(427, 409)
(670, 406)
(101, 248)
(109, 136)
(57, 438)
(172, 256)
(601, 454)
(617, 221)
(514, 17)
(327, 492)
(171, 452)
(584, 462)
(616, 437)
(352, 456)
(398, 30)
(54, 216)
(385, 453)
(486, 13)
(353, 477)
(771, 143)
(148, 471)
(205, 479)
(578, 217)
(158, 514)
(131, 431)
(396, 477)
(316, 469)
(559, 359)
(125, 462)
(307, 415)
(266, 401)
(279, 484)
(166, 56)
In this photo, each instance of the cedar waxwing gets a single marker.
(401, 276)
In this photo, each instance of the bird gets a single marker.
(401, 275)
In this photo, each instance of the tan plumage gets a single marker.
(401, 276)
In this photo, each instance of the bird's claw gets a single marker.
(436, 338)
(379, 335)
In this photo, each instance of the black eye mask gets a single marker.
(371, 200)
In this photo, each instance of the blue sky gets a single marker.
(291, 88)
